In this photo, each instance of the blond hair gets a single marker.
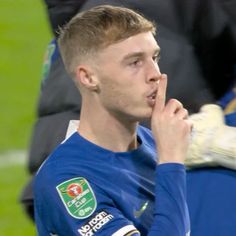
(92, 30)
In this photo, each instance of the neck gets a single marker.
(105, 130)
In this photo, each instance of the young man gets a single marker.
(107, 178)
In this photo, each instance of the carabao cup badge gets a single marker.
(78, 197)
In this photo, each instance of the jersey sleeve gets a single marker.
(77, 206)
(171, 215)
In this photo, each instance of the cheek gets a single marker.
(115, 95)
(121, 89)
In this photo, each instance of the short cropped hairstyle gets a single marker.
(92, 30)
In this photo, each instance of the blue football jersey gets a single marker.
(83, 189)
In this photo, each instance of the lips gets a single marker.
(151, 98)
(152, 94)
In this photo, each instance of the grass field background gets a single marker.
(24, 34)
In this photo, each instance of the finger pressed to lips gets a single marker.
(161, 93)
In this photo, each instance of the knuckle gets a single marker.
(185, 111)
(173, 100)
(176, 102)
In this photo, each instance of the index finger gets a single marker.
(161, 93)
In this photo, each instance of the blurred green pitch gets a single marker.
(24, 34)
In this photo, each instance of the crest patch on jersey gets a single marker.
(78, 197)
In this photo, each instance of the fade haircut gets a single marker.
(93, 30)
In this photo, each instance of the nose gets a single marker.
(153, 72)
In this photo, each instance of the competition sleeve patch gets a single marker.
(78, 197)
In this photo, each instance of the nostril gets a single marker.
(154, 79)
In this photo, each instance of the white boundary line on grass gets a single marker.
(13, 157)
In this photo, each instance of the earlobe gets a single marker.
(86, 78)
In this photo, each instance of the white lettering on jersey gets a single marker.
(96, 223)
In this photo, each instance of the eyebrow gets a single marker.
(139, 54)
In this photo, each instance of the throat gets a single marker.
(115, 140)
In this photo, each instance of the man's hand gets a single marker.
(170, 126)
(213, 143)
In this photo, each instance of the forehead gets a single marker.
(144, 43)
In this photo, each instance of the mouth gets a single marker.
(151, 98)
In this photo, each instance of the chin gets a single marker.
(146, 116)
(141, 115)
(148, 113)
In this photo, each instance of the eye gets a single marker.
(136, 62)
(156, 58)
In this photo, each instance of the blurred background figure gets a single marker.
(197, 39)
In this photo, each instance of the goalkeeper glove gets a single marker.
(213, 143)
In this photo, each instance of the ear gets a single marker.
(86, 77)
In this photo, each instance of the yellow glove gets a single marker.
(213, 143)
